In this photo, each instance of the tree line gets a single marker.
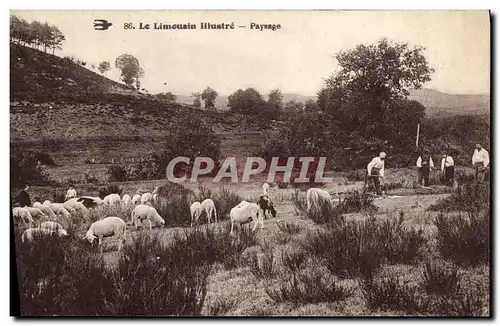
(39, 35)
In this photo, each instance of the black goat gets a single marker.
(266, 204)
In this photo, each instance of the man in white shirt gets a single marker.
(424, 164)
(375, 171)
(71, 193)
(481, 161)
(448, 169)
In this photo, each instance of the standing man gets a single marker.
(375, 171)
(481, 162)
(424, 164)
(448, 169)
(23, 198)
(71, 193)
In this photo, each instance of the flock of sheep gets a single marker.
(143, 212)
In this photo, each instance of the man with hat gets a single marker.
(375, 171)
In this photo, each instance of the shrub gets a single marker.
(155, 280)
(354, 202)
(438, 279)
(470, 197)
(289, 227)
(464, 239)
(401, 246)
(293, 260)
(349, 251)
(58, 196)
(117, 173)
(307, 288)
(24, 169)
(392, 294)
(354, 249)
(110, 189)
(264, 268)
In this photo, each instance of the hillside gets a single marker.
(55, 98)
(438, 103)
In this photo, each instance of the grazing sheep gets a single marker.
(107, 227)
(59, 209)
(77, 206)
(265, 186)
(112, 199)
(136, 199)
(47, 202)
(196, 209)
(31, 233)
(246, 213)
(316, 197)
(70, 209)
(53, 226)
(146, 198)
(45, 209)
(208, 206)
(35, 212)
(90, 202)
(126, 200)
(145, 212)
(266, 204)
(242, 203)
(23, 214)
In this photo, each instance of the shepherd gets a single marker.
(375, 170)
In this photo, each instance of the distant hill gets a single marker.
(436, 102)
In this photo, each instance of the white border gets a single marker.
(212, 5)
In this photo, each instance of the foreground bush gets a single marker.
(464, 239)
(355, 202)
(469, 197)
(307, 288)
(358, 249)
(64, 277)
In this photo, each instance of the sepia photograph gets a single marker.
(250, 163)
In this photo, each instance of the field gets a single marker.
(239, 284)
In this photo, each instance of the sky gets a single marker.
(297, 58)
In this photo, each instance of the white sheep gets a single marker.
(146, 198)
(209, 208)
(196, 209)
(23, 214)
(244, 213)
(45, 209)
(145, 212)
(112, 199)
(58, 209)
(51, 225)
(47, 202)
(76, 205)
(316, 197)
(35, 212)
(67, 207)
(136, 199)
(107, 227)
(126, 200)
(31, 233)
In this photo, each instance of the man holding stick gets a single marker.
(375, 170)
